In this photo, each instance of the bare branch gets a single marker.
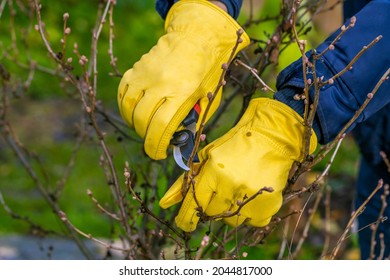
(352, 220)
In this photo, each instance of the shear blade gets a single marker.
(179, 158)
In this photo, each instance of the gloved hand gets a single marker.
(258, 152)
(160, 90)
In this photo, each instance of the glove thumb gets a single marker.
(173, 195)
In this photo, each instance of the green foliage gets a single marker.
(137, 28)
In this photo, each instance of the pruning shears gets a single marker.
(183, 140)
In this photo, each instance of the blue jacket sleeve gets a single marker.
(339, 102)
(233, 7)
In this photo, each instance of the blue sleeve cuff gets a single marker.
(163, 6)
(336, 104)
(286, 95)
(339, 101)
(233, 7)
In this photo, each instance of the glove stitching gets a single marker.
(139, 98)
(198, 94)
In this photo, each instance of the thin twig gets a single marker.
(325, 248)
(352, 220)
(211, 97)
(382, 246)
(26, 219)
(283, 246)
(254, 73)
(370, 96)
(65, 219)
(352, 62)
(385, 159)
(343, 29)
(144, 207)
(240, 206)
(301, 211)
(53, 204)
(113, 59)
(61, 183)
(101, 208)
(375, 227)
(305, 232)
(95, 38)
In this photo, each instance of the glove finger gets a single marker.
(222, 205)
(158, 129)
(165, 118)
(266, 215)
(128, 96)
(235, 220)
(259, 212)
(219, 204)
(239, 219)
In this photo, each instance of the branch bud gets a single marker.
(67, 31)
(126, 174)
(65, 16)
(62, 216)
(353, 21)
(83, 60)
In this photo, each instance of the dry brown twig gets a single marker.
(354, 216)
(375, 226)
(24, 157)
(88, 97)
(305, 232)
(327, 221)
(385, 159)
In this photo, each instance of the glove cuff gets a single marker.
(207, 22)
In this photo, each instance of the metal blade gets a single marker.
(179, 158)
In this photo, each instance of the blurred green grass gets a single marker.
(44, 118)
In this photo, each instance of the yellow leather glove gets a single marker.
(160, 90)
(258, 152)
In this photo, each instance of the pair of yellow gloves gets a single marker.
(164, 85)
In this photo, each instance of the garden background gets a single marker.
(74, 177)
